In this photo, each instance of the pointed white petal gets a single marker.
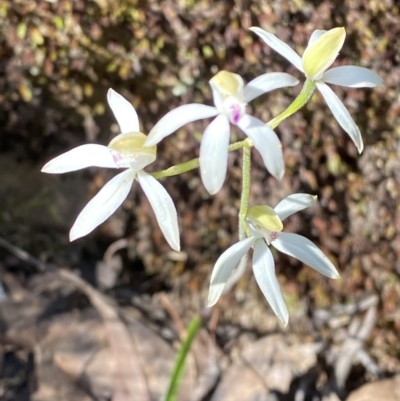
(90, 155)
(214, 154)
(163, 208)
(315, 35)
(341, 114)
(264, 272)
(124, 112)
(352, 77)
(266, 83)
(224, 266)
(279, 46)
(294, 203)
(176, 119)
(236, 274)
(304, 250)
(266, 142)
(103, 205)
(218, 98)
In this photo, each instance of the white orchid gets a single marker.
(127, 151)
(230, 98)
(265, 228)
(322, 50)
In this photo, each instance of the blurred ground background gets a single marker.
(57, 60)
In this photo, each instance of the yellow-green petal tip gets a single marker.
(321, 54)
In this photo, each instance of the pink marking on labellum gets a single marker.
(273, 235)
(235, 113)
(117, 157)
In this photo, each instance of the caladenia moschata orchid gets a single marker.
(259, 226)
(125, 151)
(230, 99)
(264, 228)
(322, 50)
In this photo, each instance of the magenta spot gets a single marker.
(273, 235)
(117, 157)
(235, 113)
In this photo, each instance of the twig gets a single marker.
(23, 255)
(170, 308)
(130, 382)
(114, 247)
(353, 345)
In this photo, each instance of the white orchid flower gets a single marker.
(126, 151)
(322, 50)
(265, 228)
(230, 98)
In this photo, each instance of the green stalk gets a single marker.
(244, 204)
(178, 169)
(244, 199)
(303, 97)
(179, 367)
(194, 163)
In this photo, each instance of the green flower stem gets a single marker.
(194, 163)
(178, 169)
(244, 199)
(179, 367)
(244, 204)
(303, 97)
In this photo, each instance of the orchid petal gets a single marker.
(341, 114)
(322, 53)
(214, 154)
(315, 36)
(163, 208)
(266, 83)
(294, 203)
(218, 98)
(264, 272)
(304, 250)
(103, 205)
(176, 119)
(124, 112)
(279, 46)
(266, 142)
(89, 155)
(224, 266)
(352, 76)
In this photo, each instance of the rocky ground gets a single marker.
(61, 336)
